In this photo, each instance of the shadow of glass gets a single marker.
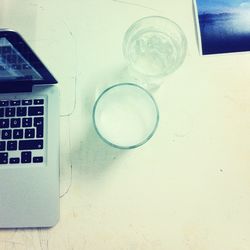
(95, 156)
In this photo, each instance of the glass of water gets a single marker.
(154, 47)
(125, 115)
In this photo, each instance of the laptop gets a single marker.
(29, 137)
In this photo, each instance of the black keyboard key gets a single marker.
(12, 145)
(17, 134)
(38, 159)
(4, 60)
(3, 158)
(2, 145)
(38, 101)
(4, 103)
(15, 103)
(30, 144)
(4, 123)
(21, 111)
(33, 111)
(6, 134)
(14, 160)
(15, 123)
(2, 67)
(38, 121)
(28, 77)
(26, 157)
(6, 50)
(6, 67)
(30, 133)
(26, 102)
(1, 112)
(20, 60)
(16, 66)
(39, 131)
(10, 112)
(26, 122)
(11, 58)
(26, 66)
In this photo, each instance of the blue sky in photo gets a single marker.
(219, 6)
(224, 25)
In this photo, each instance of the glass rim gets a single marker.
(153, 17)
(144, 140)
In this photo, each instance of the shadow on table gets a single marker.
(95, 156)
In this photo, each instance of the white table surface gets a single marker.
(188, 188)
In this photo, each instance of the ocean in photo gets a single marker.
(225, 32)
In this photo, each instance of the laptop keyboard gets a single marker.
(22, 131)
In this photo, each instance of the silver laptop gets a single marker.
(29, 137)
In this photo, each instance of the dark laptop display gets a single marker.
(18, 63)
(13, 65)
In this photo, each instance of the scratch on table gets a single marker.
(76, 68)
(70, 183)
(242, 104)
(71, 164)
(12, 242)
(74, 104)
(135, 4)
(31, 4)
(69, 30)
(43, 239)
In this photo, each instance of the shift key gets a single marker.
(30, 144)
(34, 111)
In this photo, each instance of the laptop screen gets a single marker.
(18, 63)
(13, 65)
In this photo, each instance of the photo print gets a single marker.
(223, 25)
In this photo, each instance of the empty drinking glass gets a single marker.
(154, 47)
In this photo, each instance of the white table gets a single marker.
(188, 188)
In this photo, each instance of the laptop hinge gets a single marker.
(15, 87)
